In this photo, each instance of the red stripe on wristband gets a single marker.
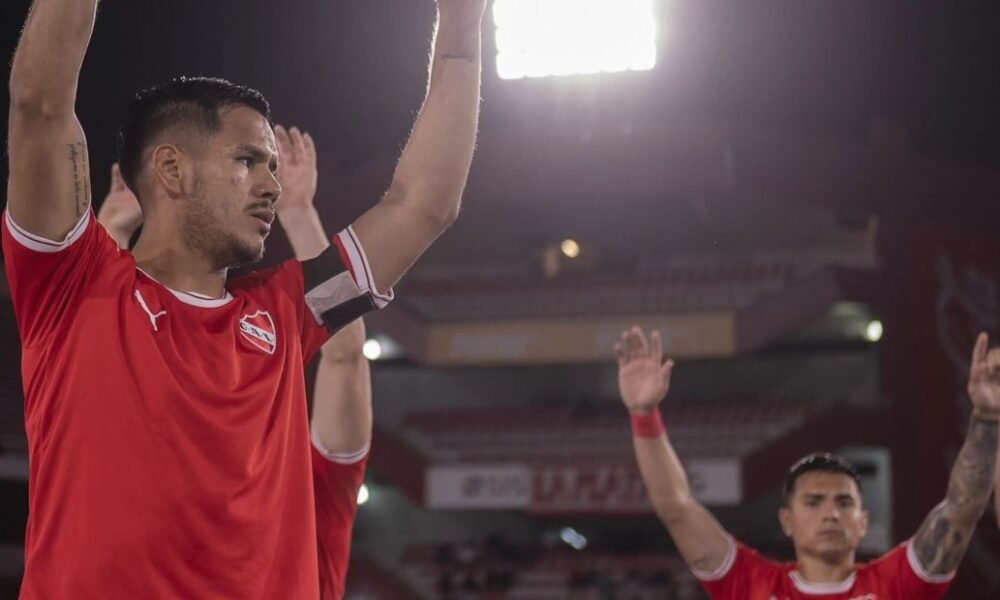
(648, 425)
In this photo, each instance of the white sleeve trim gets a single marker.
(724, 568)
(911, 557)
(38, 243)
(351, 458)
(361, 269)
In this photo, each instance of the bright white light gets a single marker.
(873, 332)
(363, 494)
(539, 38)
(570, 248)
(573, 538)
(372, 349)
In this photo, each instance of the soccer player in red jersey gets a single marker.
(822, 512)
(164, 405)
(341, 415)
(341, 419)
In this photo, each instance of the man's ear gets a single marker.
(785, 518)
(172, 170)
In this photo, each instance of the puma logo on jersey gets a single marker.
(153, 317)
(258, 329)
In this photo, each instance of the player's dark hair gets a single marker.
(819, 461)
(192, 101)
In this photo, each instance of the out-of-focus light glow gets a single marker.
(570, 248)
(540, 38)
(874, 331)
(573, 538)
(363, 494)
(372, 349)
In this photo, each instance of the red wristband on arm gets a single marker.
(648, 425)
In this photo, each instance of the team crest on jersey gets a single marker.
(258, 329)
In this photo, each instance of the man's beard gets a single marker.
(204, 234)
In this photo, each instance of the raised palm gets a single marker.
(120, 212)
(297, 171)
(984, 378)
(643, 377)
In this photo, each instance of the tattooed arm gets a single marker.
(49, 186)
(944, 536)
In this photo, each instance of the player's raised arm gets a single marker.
(342, 401)
(643, 380)
(944, 536)
(426, 191)
(49, 186)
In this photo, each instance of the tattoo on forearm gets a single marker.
(81, 178)
(945, 533)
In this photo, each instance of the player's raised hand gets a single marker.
(643, 376)
(120, 212)
(984, 379)
(297, 172)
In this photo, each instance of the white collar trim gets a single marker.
(193, 298)
(821, 588)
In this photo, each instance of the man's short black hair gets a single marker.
(194, 101)
(819, 461)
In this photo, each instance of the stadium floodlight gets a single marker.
(372, 349)
(573, 538)
(570, 248)
(873, 332)
(540, 38)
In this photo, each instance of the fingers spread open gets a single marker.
(979, 350)
(309, 147)
(635, 344)
(297, 144)
(284, 143)
(117, 183)
(666, 369)
(656, 346)
(620, 353)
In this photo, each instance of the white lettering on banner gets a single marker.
(478, 486)
(600, 488)
(619, 488)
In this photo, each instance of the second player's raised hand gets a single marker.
(120, 212)
(297, 171)
(984, 379)
(643, 377)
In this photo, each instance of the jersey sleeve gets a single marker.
(49, 279)
(910, 580)
(336, 486)
(742, 570)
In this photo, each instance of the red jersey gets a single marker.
(167, 432)
(896, 575)
(336, 482)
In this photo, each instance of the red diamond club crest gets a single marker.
(258, 329)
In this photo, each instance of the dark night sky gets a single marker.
(352, 71)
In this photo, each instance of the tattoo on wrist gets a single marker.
(944, 535)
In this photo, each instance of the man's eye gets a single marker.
(247, 160)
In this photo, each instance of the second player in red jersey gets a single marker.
(823, 514)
